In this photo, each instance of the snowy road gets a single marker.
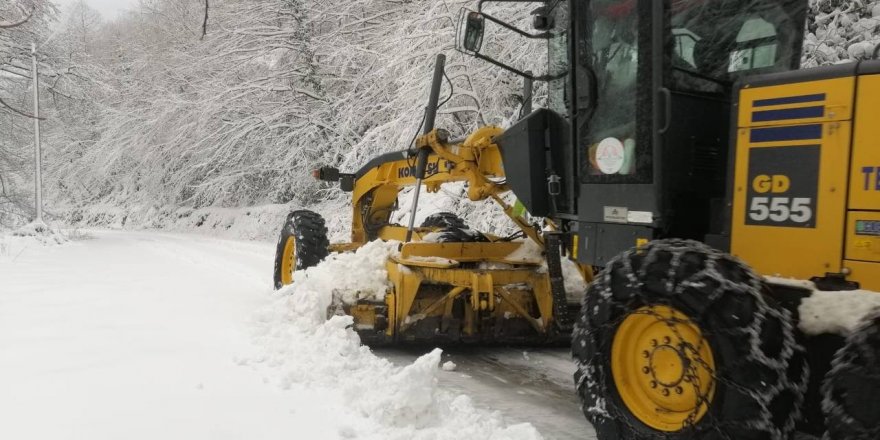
(527, 385)
(141, 335)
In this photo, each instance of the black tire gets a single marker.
(458, 235)
(452, 229)
(760, 373)
(444, 220)
(307, 233)
(852, 387)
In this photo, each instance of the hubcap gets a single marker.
(663, 368)
(288, 261)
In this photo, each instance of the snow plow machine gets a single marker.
(728, 201)
(449, 284)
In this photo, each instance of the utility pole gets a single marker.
(38, 157)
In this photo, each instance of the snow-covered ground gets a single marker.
(175, 336)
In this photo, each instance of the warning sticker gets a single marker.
(615, 214)
(868, 227)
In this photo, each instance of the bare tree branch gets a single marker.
(14, 110)
(6, 25)
(205, 22)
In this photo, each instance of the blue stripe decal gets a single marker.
(789, 100)
(794, 133)
(788, 113)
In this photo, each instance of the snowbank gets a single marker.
(247, 223)
(263, 222)
(13, 243)
(302, 350)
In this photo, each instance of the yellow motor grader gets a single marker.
(450, 284)
(684, 155)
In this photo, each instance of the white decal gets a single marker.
(640, 217)
(610, 156)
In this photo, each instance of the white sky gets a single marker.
(108, 8)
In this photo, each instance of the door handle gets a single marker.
(667, 109)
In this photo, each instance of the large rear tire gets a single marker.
(852, 387)
(303, 243)
(677, 341)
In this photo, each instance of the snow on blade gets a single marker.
(302, 350)
(529, 252)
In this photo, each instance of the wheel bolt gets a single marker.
(653, 384)
(679, 390)
(665, 391)
(646, 370)
(666, 340)
(653, 342)
(645, 354)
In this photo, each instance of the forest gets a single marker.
(186, 104)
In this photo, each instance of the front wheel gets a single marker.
(676, 341)
(303, 243)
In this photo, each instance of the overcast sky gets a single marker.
(108, 8)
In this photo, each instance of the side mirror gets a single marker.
(472, 25)
(472, 36)
(327, 174)
(542, 20)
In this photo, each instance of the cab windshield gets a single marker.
(710, 43)
(716, 41)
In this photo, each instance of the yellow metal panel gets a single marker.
(831, 99)
(863, 236)
(867, 274)
(789, 248)
(864, 190)
(500, 251)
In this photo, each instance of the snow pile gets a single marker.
(836, 312)
(33, 235)
(41, 233)
(246, 223)
(346, 277)
(529, 252)
(483, 216)
(381, 401)
(575, 286)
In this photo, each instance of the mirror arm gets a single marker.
(504, 66)
(543, 35)
(480, 3)
(517, 71)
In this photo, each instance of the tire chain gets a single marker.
(859, 357)
(586, 334)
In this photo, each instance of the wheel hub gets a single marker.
(663, 368)
(288, 261)
(667, 365)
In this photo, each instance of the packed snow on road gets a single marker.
(158, 335)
